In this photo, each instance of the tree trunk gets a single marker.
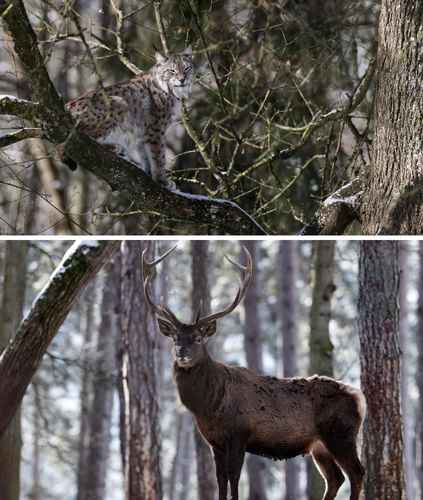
(103, 385)
(405, 338)
(253, 350)
(186, 455)
(21, 358)
(87, 325)
(321, 347)
(393, 199)
(419, 372)
(11, 313)
(288, 300)
(380, 369)
(207, 487)
(142, 461)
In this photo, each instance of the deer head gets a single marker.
(189, 339)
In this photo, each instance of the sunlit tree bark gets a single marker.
(139, 370)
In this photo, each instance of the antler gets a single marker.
(164, 312)
(246, 275)
(147, 273)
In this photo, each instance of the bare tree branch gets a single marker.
(20, 135)
(22, 357)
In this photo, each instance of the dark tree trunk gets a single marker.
(380, 369)
(23, 355)
(206, 481)
(142, 451)
(321, 347)
(253, 351)
(14, 282)
(393, 199)
(419, 372)
(288, 300)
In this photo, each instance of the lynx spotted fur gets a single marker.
(132, 117)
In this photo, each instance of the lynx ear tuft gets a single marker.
(159, 58)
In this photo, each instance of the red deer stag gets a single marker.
(239, 411)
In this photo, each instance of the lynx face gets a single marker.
(174, 74)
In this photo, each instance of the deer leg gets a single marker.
(331, 473)
(221, 461)
(345, 454)
(236, 459)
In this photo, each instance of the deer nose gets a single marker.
(181, 352)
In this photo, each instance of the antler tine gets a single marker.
(147, 268)
(247, 273)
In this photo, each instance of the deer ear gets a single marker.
(209, 329)
(166, 328)
(159, 58)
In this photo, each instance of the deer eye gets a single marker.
(198, 339)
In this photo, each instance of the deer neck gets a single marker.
(201, 386)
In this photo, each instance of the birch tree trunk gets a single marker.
(253, 350)
(103, 385)
(393, 198)
(321, 347)
(11, 313)
(142, 451)
(419, 372)
(380, 369)
(288, 301)
(207, 485)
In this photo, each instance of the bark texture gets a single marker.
(288, 300)
(142, 430)
(393, 199)
(378, 318)
(206, 482)
(14, 284)
(21, 358)
(321, 348)
(253, 334)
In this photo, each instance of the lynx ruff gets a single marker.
(131, 117)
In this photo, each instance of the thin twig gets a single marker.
(160, 26)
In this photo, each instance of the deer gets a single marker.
(238, 411)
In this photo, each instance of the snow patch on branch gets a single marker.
(348, 200)
(67, 260)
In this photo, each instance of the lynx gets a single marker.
(131, 117)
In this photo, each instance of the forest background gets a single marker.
(314, 307)
(295, 116)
